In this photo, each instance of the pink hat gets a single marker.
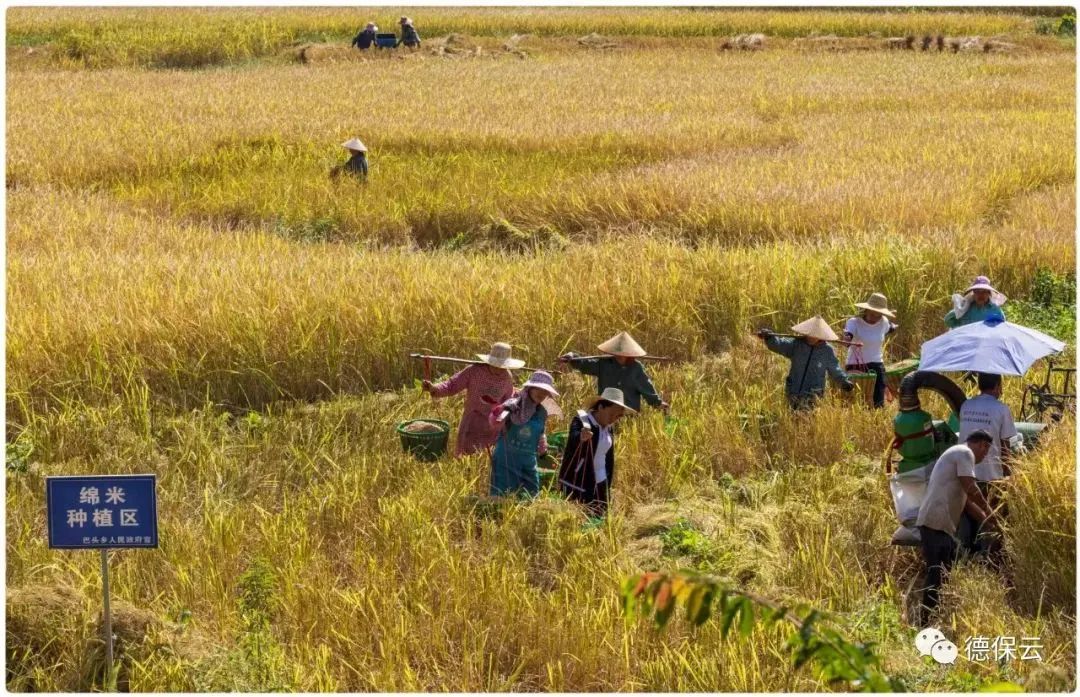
(983, 283)
(543, 380)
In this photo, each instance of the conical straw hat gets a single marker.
(354, 144)
(622, 344)
(817, 328)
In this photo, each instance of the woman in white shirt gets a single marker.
(870, 328)
(588, 465)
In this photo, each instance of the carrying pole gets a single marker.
(447, 359)
(636, 358)
(803, 336)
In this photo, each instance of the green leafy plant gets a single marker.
(839, 661)
(684, 540)
(1067, 25)
(1050, 306)
(18, 454)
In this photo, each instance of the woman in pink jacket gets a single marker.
(485, 386)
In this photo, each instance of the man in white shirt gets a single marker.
(950, 492)
(988, 413)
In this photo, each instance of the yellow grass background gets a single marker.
(189, 294)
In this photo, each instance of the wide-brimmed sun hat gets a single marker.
(543, 380)
(622, 344)
(500, 357)
(354, 144)
(877, 303)
(613, 395)
(371, 25)
(405, 20)
(983, 283)
(817, 328)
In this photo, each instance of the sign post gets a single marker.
(102, 512)
(108, 618)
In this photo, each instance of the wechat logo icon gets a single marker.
(931, 642)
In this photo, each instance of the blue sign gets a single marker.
(91, 512)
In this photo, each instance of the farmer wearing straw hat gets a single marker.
(365, 38)
(588, 466)
(484, 385)
(981, 302)
(409, 35)
(811, 359)
(619, 369)
(357, 163)
(520, 421)
(870, 329)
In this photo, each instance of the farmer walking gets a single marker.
(620, 369)
(979, 303)
(950, 492)
(520, 421)
(870, 328)
(986, 412)
(811, 360)
(366, 37)
(409, 35)
(588, 466)
(484, 385)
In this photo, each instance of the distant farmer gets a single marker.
(988, 413)
(811, 360)
(588, 466)
(484, 386)
(870, 329)
(950, 492)
(366, 37)
(520, 421)
(979, 303)
(621, 369)
(357, 163)
(409, 36)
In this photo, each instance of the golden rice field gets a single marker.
(190, 294)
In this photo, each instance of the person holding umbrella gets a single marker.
(811, 360)
(620, 369)
(588, 466)
(484, 385)
(979, 303)
(520, 422)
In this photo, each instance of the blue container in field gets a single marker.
(385, 40)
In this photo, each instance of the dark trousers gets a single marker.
(971, 535)
(939, 551)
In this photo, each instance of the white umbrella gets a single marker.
(1002, 348)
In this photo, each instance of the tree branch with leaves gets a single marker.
(839, 661)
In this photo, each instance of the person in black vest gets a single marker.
(365, 38)
(588, 466)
